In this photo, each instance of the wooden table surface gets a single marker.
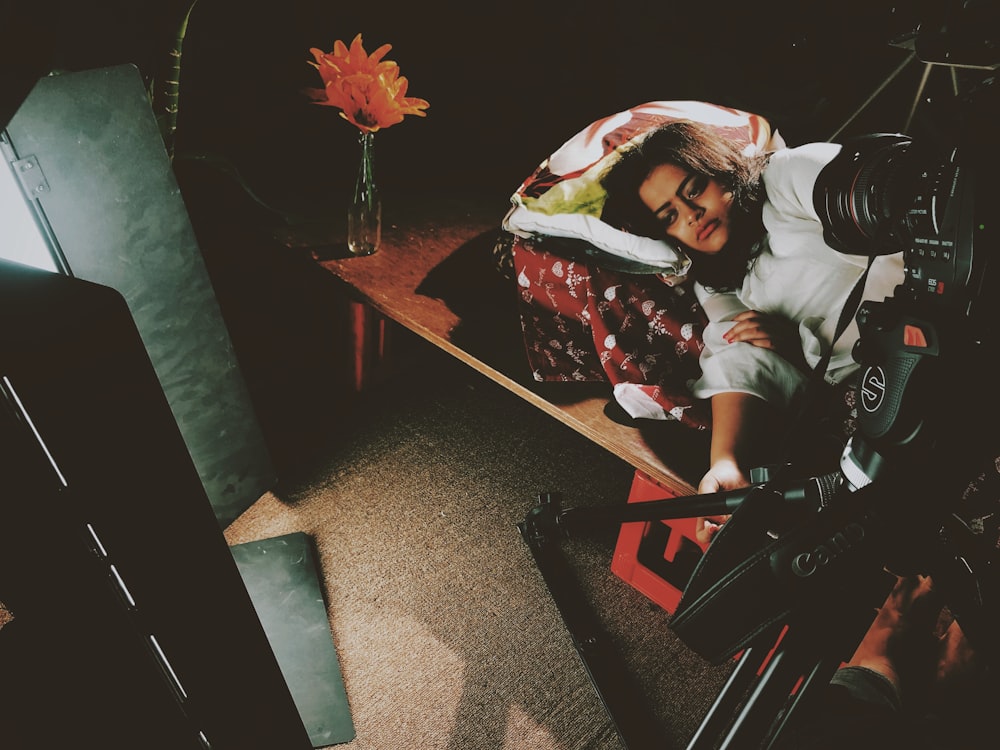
(435, 275)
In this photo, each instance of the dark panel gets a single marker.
(282, 577)
(132, 626)
(116, 211)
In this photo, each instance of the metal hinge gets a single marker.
(31, 177)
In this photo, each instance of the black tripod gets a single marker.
(796, 647)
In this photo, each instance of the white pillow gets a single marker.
(563, 197)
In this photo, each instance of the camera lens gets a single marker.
(862, 195)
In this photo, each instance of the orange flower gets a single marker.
(368, 90)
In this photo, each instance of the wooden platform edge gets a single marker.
(585, 416)
(388, 282)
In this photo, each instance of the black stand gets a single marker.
(777, 673)
(754, 693)
(928, 59)
(543, 528)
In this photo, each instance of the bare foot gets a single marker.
(900, 643)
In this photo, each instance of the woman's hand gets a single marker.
(722, 475)
(774, 332)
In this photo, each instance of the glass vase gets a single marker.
(364, 218)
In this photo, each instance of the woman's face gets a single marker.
(692, 208)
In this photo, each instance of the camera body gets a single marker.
(924, 383)
(888, 193)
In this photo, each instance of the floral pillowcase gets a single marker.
(563, 198)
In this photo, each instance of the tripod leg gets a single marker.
(834, 634)
(817, 679)
(625, 705)
(770, 693)
(728, 699)
(916, 98)
(892, 76)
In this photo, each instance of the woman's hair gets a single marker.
(699, 149)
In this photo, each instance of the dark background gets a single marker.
(507, 82)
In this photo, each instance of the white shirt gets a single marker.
(798, 276)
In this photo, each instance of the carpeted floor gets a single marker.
(446, 633)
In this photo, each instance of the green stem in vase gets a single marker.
(364, 218)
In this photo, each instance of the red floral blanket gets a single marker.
(581, 322)
(617, 307)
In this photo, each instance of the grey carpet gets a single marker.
(446, 633)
